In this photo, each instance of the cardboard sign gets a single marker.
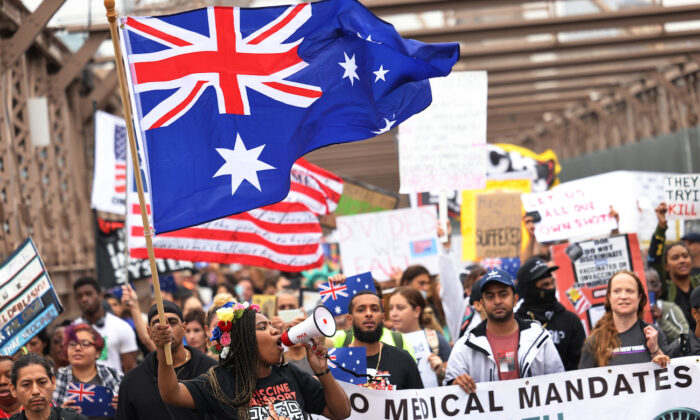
(28, 302)
(582, 283)
(443, 147)
(109, 178)
(570, 212)
(469, 211)
(498, 222)
(682, 195)
(267, 304)
(380, 242)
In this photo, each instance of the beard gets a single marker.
(369, 337)
(508, 314)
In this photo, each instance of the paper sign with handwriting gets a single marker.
(570, 213)
(682, 195)
(498, 225)
(387, 240)
(444, 147)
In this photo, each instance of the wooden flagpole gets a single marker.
(112, 18)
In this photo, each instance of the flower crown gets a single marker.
(228, 314)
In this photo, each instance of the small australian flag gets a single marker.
(351, 358)
(336, 297)
(95, 400)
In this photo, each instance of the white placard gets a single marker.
(109, 180)
(682, 195)
(383, 241)
(421, 349)
(444, 147)
(570, 212)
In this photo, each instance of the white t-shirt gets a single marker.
(119, 338)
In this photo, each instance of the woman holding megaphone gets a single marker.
(249, 377)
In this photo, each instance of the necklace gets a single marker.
(379, 360)
(187, 359)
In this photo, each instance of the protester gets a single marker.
(343, 338)
(537, 286)
(212, 319)
(192, 303)
(244, 290)
(121, 345)
(288, 300)
(419, 278)
(56, 345)
(83, 346)
(8, 403)
(407, 315)
(621, 336)
(657, 245)
(130, 300)
(248, 376)
(502, 346)
(692, 241)
(195, 332)
(33, 384)
(675, 261)
(667, 315)
(139, 397)
(689, 344)
(39, 344)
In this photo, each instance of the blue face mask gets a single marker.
(424, 294)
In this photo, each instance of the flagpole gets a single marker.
(112, 18)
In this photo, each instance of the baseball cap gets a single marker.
(168, 307)
(500, 276)
(695, 298)
(534, 269)
(691, 237)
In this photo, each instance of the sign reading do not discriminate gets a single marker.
(638, 391)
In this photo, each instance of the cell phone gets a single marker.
(288, 315)
(652, 298)
(536, 217)
(574, 251)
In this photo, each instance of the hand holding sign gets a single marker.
(682, 194)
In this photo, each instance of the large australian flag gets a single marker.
(226, 99)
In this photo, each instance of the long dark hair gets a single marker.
(604, 335)
(242, 363)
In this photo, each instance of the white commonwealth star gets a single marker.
(386, 128)
(350, 68)
(242, 164)
(337, 310)
(380, 74)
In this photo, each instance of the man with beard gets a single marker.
(538, 288)
(502, 346)
(390, 367)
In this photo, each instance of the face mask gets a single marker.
(540, 296)
(424, 294)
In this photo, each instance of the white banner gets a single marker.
(383, 241)
(111, 148)
(639, 391)
(571, 212)
(682, 195)
(444, 147)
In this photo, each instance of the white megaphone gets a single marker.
(321, 322)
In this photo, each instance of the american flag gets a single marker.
(119, 159)
(284, 236)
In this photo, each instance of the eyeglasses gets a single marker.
(81, 343)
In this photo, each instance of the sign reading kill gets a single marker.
(387, 240)
(28, 302)
(681, 193)
(498, 232)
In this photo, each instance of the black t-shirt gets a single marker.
(683, 302)
(293, 391)
(633, 348)
(395, 370)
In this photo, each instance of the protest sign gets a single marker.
(582, 283)
(359, 197)
(571, 212)
(637, 391)
(28, 302)
(267, 304)
(383, 241)
(109, 178)
(498, 220)
(443, 147)
(682, 195)
(421, 350)
(542, 169)
(469, 212)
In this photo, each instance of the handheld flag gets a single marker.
(226, 99)
(94, 400)
(350, 358)
(336, 297)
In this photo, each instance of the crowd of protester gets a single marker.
(480, 325)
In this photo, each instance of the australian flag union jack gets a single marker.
(336, 296)
(351, 358)
(226, 99)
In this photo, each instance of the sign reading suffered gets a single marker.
(681, 193)
(498, 231)
(383, 241)
(28, 302)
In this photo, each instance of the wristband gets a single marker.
(325, 372)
